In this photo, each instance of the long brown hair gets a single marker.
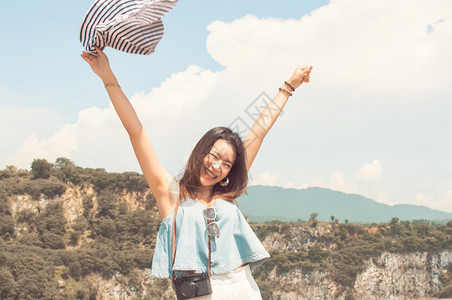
(190, 185)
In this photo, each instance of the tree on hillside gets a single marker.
(394, 221)
(12, 171)
(9, 171)
(7, 283)
(106, 204)
(314, 216)
(395, 227)
(63, 162)
(41, 168)
(5, 206)
(66, 170)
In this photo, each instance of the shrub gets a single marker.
(66, 171)
(88, 207)
(31, 239)
(136, 226)
(74, 237)
(317, 255)
(41, 168)
(105, 227)
(5, 206)
(11, 172)
(34, 188)
(71, 261)
(80, 224)
(123, 208)
(143, 258)
(27, 216)
(53, 241)
(87, 261)
(6, 225)
(7, 283)
(151, 202)
(32, 269)
(125, 262)
(52, 219)
(106, 204)
(445, 292)
(103, 180)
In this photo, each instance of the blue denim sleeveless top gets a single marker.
(237, 244)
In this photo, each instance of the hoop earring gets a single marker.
(224, 182)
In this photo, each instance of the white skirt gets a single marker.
(238, 284)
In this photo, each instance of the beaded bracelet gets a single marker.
(111, 84)
(289, 85)
(285, 91)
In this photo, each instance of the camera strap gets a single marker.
(173, 244)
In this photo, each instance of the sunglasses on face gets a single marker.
(212, 228)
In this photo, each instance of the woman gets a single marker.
(211, 234)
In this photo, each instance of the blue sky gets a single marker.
(375, 119)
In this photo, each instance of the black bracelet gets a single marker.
(285, 91)
(291, 87)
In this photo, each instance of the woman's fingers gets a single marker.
(300, 75)
(306, 71)
(86, 57)
(306, 75)
(98, 62)
(98, 51)
(89, 58)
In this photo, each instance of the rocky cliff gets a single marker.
(384, 275)
(395, 276)
(310, 260)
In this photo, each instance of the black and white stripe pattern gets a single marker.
(132, 26)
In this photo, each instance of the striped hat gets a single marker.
(133, 26)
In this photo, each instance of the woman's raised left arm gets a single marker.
(268, 116)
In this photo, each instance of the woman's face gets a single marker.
(217, 163)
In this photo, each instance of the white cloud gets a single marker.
(366, 182)
(265, 179)
(177, 96)
(337, 182)
(370, 172)
(20, 124)
(91, 131)
(97, 134)
(438, 198)
(366, 54)
(290, 185)
(369, 180)
(422, 199)
(366, 44)
(445, 202)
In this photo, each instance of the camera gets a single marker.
(192, 286)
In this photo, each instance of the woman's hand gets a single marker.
(299, 76)
(99, 64)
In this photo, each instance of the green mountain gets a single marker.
(266, 203)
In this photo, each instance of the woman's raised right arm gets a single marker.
(156, 175)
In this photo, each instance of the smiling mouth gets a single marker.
(210, 174)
